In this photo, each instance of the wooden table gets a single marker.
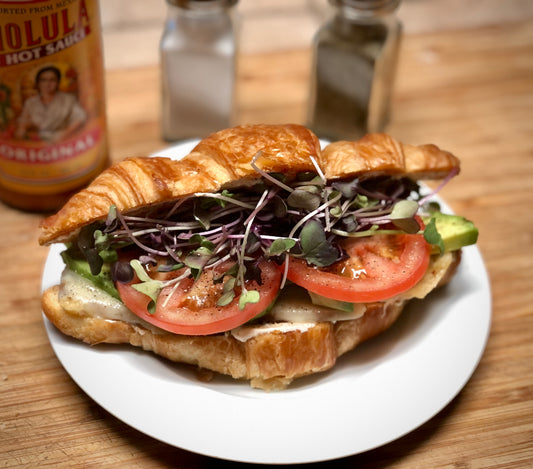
(470, 92)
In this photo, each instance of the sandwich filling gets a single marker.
(292, 310)
(211, 262)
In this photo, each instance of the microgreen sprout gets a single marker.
(229, 233)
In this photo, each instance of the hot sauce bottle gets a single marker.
(53, 133)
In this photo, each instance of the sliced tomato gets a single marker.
(377, 268)
(191, 308)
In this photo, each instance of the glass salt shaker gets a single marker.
(198, 66)
(354, 54)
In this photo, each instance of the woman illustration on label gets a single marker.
(54, 114)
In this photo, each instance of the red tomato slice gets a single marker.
(191, 309)
(379, 267)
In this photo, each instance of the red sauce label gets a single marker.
(52, 109)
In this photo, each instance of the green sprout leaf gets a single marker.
(202, 241)
(404, 209)
(226, 298)
(246, 297)
(347, 188)
(336, 211)
(198, 258)
(170, 267)
(111, 215)
(150, 289)
(279, 207)
(280, 246)
(228, 293)
(225, 193)
(432, 236)
(315, 247)
(402, 216)
(229, 285)
(148, 286)
(362, 201)
(233, 270)
(86, 244)
(202, 216)
(101, 243)
(100, 239)
(305, 197)
(86, 237)
(433, 207)
(139, 270)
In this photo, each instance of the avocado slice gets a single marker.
(330, 303)
(103, 280)
(455, 231)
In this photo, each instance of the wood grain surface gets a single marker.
(469, 91)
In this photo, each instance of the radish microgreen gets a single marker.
(274, 217)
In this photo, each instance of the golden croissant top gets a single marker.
(227, 158)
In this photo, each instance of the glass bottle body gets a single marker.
(355, 56)
(53, 129)
(198, 63)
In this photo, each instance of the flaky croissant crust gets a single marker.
(223, 159)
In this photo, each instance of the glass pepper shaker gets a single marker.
(354, 54)
(198, 64)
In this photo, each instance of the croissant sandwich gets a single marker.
(259, 255)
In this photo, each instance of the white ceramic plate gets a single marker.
(386, 388)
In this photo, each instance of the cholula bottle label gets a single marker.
(52, 105)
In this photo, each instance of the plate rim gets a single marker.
(245, 400)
